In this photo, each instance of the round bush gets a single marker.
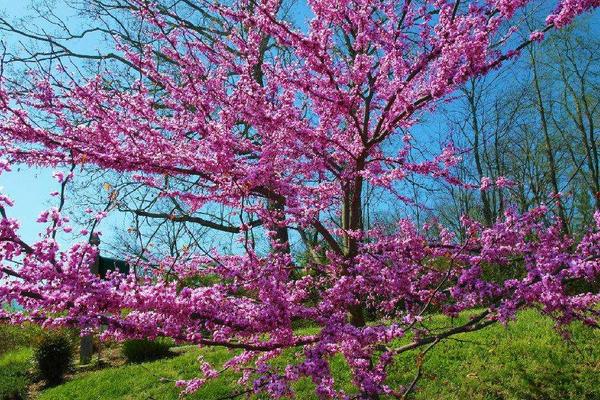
(140, 350)
(54, 356)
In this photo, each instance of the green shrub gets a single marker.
(140, 350)
(54, 356)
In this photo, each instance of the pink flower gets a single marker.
(503, 182)
(101, 215)
(536, 36)
(486, 183)
(59, 176)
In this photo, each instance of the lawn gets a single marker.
(524, 360)
(14, 373)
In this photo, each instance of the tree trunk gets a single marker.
(553, 174)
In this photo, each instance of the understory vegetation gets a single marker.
(14, 373)
(526, 359)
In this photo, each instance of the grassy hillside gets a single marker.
(14, 373)
(525, 360)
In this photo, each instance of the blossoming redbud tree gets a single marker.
(287, 125)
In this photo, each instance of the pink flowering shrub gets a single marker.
(289, 126)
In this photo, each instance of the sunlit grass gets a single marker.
(524, 360)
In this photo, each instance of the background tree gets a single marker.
(500, 126)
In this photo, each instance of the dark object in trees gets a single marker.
(106, 264)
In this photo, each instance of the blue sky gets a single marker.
(29, 187)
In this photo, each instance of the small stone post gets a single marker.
(86, 348)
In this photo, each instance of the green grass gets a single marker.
(15, 359)
(14, 373)
(525, 360)
(142, 381)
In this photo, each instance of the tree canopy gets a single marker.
(283, 127)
